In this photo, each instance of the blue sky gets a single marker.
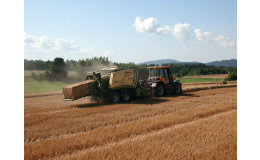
(131, 31)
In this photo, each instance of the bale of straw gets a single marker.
(221, 82)
(76, 90)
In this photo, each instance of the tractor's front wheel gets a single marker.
(158, 91)
(113, 97)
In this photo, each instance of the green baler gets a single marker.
(116, 86)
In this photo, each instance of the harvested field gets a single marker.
(196, 125)
(185, 87)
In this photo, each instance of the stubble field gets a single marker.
(201, 124)
(218, 76)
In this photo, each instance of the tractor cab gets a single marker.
(161, 73)
(162, 82)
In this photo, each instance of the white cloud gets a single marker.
(181, 31)
(227, 44)
(63, 44)
(44, 45)
(35, 43)
(150, 25)
(204, 37)
(184, 47)
(45, 42)
(29, 38)
(108, 54)
(221, 37)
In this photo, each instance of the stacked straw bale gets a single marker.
(77, 90)
(221, 82)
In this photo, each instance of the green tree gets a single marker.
(33, 75)
(47, 75)
(58, 69)
(232, 76)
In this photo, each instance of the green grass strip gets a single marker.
(43, 86)
(31, 85)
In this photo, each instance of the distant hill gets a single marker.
(225, 63)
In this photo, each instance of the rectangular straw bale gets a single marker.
(221, 82)
(76, 90)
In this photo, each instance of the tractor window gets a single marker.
(161, 74)
(153, 73)
(156, 72)
(165, 74)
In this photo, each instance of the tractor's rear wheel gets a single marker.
(158, 91)
(113, 97)
(125, 96)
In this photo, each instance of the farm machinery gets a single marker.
(115, 85)
(161, 82)
(109, 84)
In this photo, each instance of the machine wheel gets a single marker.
(178, 89)
(114, 97)
(125, 96)
(158, 91)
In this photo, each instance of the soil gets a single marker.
(58, 129)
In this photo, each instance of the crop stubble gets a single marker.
(97, 130)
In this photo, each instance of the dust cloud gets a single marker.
(97, 66)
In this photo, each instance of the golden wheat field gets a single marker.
(195, 125)
(220, 76)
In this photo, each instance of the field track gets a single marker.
(201, 124)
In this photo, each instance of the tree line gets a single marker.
(52, 68)
(72, 65)
(58, 68)
(180, 70)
